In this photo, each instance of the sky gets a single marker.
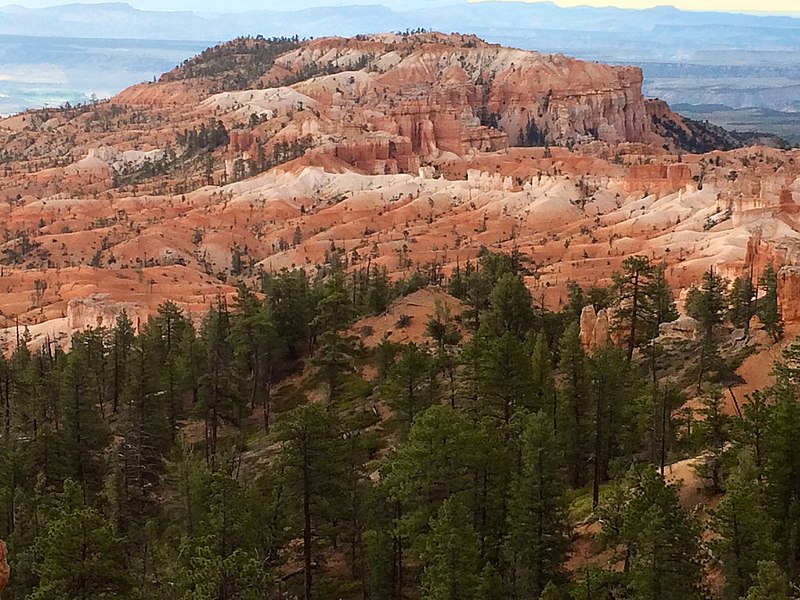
(224, 6)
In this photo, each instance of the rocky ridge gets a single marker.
(450, 93)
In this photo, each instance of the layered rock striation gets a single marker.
(422, 95)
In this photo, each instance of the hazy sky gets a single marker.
(774, 6)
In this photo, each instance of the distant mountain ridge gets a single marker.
(698, 58)
(103, 20)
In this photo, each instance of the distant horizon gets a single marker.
(766, 8)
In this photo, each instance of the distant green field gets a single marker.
(783, 124)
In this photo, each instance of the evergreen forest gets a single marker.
(268, 453)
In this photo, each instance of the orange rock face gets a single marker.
(99, 310)
(405, 152)
(456, 94)
(789, 294)
(659, 178)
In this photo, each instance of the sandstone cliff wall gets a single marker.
(789, 294)
(99, 310)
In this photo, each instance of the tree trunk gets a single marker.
(267, 399)
(664, 432)
(597, 444)
(634, 310)
(398, 559)
(306, 524)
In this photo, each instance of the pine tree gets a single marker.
(576, 300)
(146, 439)
(475, 286)
(749, 430)
(505, 378)
(378, 293)
(634, 306)
(222, 562)
(165, 341)
(258, 349)
(537, 541)
(381, 543)
(768, 309)
(614, 390)
(220, 398)
(353, 509)
(385, 354)
(451, 555)
(86, 435)
(574, 411)
(741, 303)
(659, 542)
(771, 583)
(782, 472)
(470, 367)
(441, 328)
(437, 461)
(444, 333)
(510, 308)
(186, 475)
(744, 534)
(6, 374)
(292, 303)
(81, 557)
(312, 461)
(544, 392)
(334, 360)
(334, 310)
(713, 431)
(96, 343)
(491, 586)
(655, 413)
(598, 583)
(707, 305)
(662, 302)
(408, 388)
(122, 338)
(550, 592)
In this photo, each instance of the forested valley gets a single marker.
(269, 453)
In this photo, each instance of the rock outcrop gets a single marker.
(789, 293)
(657, 178)
(98, 310)
(683, 328)
(594, 329)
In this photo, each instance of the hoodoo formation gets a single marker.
(410, 151)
